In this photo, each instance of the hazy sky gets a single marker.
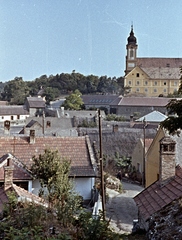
(40, 37)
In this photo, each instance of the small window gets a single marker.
(138, 83)
(138, 90)
(146, 83)
(12, 118)
(164, 83)
(138, 75)
(165, 90)
(18, 116)
(129, 82)
(155, 90)
(155, 83)
(175, 83)
(146, 89)
(48, 124)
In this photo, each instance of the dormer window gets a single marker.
(138, 75)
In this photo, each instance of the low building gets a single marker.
(21, 149)
(165, 190)
(35, 106)
(14, 114)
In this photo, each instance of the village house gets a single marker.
(35, 106)
(139, 106)
(8, 186)
(21, 149)
(153, 155)
(165, 190)
(14, 114)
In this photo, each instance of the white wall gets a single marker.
(15, 117)
(83, 187)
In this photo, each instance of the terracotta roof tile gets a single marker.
(13, 110)
(144, 101)
(72, 148)
(155, 197)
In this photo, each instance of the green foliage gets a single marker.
(15, 91)
(87, 124)
(9, 207)
(174, 122)
(90, 228)
(73, 101)
(114, 117)
(53, 173)
(122, 161)
(50, 94)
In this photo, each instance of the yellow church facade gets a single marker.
(150, 77)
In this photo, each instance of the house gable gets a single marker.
(152, 158)
(154, 198)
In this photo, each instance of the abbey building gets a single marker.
(150, 77)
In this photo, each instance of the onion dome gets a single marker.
(132, 38)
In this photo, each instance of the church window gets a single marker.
(164, 83)
(138, 90)
(138, 75)
(129, 82)
(137, 82)
(146, 83)
(155, 83)
(131, 53)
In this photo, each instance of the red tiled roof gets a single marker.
(13, 110)
(22, 195)
(154, 198)
(144, 101)
(71, 148)
(99, 99)
(36, 102)
(159, 62)
(19, 171)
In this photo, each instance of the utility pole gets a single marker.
(143, 177)
(101, 166)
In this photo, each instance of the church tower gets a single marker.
(131, 47)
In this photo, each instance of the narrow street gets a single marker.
(121, 208)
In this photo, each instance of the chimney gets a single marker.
(7, 127)
(131, 121)
(32, 136)
(167, 160)
(8, 174)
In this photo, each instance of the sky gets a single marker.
(39, 37)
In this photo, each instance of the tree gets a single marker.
(174, 121)
(51, 94)
(16, 91)
(73, 101)
(53, 173)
